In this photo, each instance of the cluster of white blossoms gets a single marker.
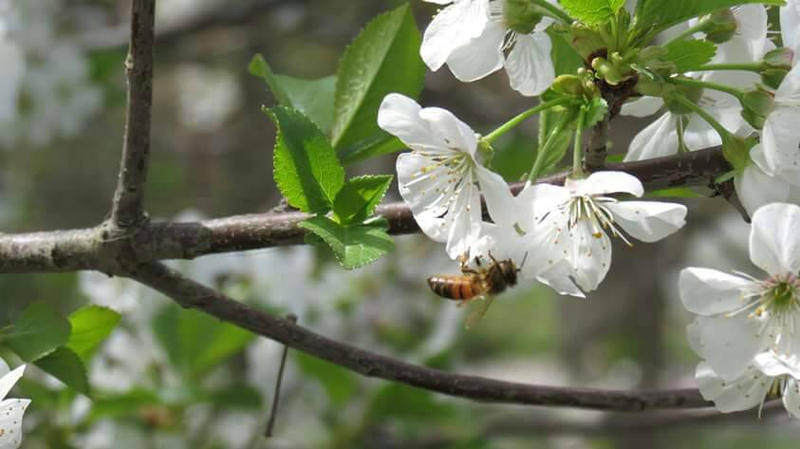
(748, 330)
(11, 410)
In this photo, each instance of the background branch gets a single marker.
(127, 206)
(189, 293)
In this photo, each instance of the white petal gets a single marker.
(773, 365)
(605, 182)
(790, 24)
(464, 223)
(399, 115)
(693, 335)
(775, 238)
(648, 221)
(791, 398)
(452, 132)
(498, 197)
(710, 292)
(658, 139)
(439, 2)
(781, 144)
(751, 21)
(453, 27)
(590, 257)
(481, 56)
(11, 412)
(788, 92)
(642, 107)
(7, 382)
(755, 188)
(529, 66)
(730, 343)
(741, 393)
(536, 201)
(698, 134)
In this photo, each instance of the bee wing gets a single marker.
(478, 312)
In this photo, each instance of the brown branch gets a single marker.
(99, 249)
(191, 294)
(127, 206)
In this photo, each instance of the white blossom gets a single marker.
(741, 316)
(442, 179)
(566, 229)
(473, 39)
(11, 410)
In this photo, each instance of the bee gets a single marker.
(480, 283)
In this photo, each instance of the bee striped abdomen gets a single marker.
(457, 287)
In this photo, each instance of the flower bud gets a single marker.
(777, 64)
(568, 85)
(720, 26)
(522, 16)
(608, 71)
(756, 104)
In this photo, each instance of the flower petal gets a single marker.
(775, 239)
(605, 182)
(648, 221)
(480, 56)
(756, 188)
(790, 25)
(451, 132)
(529, 66)
(710, 292)
(498, 197)
(11, 412)
(780, 144)
(536, 201)
(658, 139)
(400, 116)
(451, 28)
(773, 365)
(7, 382)
(642, 107)
(742, 393)
(791, 398)
(730, 343)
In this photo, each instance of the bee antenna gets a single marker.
(524, 258)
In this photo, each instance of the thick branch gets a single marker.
(127, 207)
(188, 293)
(82, 249)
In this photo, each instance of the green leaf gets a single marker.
(305, 166)
(355, 245)
(566, 60)
(378, 145)
(592, 12)
(339, 384)
(402, 401)
(128, 403)
(673, 192)
(66, 366)
(38, 332)
(690, 54)
(660, 14)
(314, 98)
(236, 396)
(513, 157)
(197, 342)
(552, 143)
(383, 58)
(359, 197)
(90, 326)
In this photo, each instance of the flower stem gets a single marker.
(548, 143)
(577, 148)
(708, 85)
(509, 125)
(699, 26)
(747, 66)
(554, 11)
(704, 115)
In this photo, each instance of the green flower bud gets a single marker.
(756, 104)
(720, 26)
(522, 16)
(568, 85)
(777, 64)
(608, 71)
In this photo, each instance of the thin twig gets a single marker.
(86, 249)
(127, 206)
(189, 293)
(276, 396)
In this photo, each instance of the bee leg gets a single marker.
(462, 259)
(494, 261)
